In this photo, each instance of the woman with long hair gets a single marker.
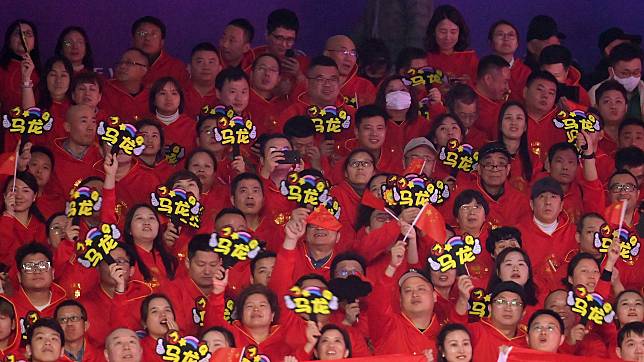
(73, 45)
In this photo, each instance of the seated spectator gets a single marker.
(204, 67)
(611, 102)
(545, 331)
(630, 342)
(375, 61)
(557, 59)
(542, 31)
(157, 319)
(126, 95)
(123, 345)
(607, 41)
(492, 88)
(502, 238)
(264, 103)
(454, 344)
(45, 341)
(72, 317)
(73, 44)
(235, 44)
(631, 133)
(504, 41)
(462, 101)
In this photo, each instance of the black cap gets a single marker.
(553, 54)
(543, 27)
(508, 287)
(546, 184)
(610, 35)
(494, 147)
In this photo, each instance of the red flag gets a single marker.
(415, 166)
(387, 358)
(7, 163)
(613, 212)
(432, 223)
(227, 355)
(527, 355)
(369, 199)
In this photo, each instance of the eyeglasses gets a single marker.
(70, 319)
(129, 63)
(145, 34)
(69, 43)
(363, 164)
(345, 273)
(122, 261)
(548, 329)
(57, 230)
(510, 36)
(283, 39)
(36, 267)
(511, 303)
(491, 167)
(345, 52)
(320, 79)
(616, 188)
(467, 208)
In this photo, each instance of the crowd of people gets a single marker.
(538, 203)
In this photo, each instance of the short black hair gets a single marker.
(610, 85)
(229, 74)
(46, 323)
(322, 61)
(406, 55)
(158, 85)
(623, 53)
(234, 184)
(467, 196)
(263, 254)
(489, 63)
(575, 261)
(540, 74)
(312, 276)
(623, 172)
(33, 247)
(45, 151)
(628, 329)
(631, 121)
(204, 46)
(299, 127)
(267, 137)
(71, 303)
(553, 314)
(199, 242)
(228, 336)
(258, 289)
(246, 26)
(348, 255)
(86, 77)
(282, 18)
(490, 33)
(227, 211)
(588, 215)
(183, 175)
(197, 151)
(502, 233)
(629, 157)
(462, 93)
(368, 111)
(149, 20)
(561, 146)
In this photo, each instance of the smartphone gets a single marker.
(568, 91)
(291, 157)
(290, 53)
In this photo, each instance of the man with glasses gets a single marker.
(357, 91)
(492, 88)
(116, 292)
(462, 101)
(73, 319)
(623, 185)
(420, 148)
(148, 35)
(37, 295)
(545, 331)
(126, 95)
(504, 41)
(507, 204)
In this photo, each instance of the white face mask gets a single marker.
(398, 100)
(629, 82)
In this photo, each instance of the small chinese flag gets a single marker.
(613, 212)
(369, 199)
(7, 163)
(432, 223)
(415, 166)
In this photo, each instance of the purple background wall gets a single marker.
(108, 22)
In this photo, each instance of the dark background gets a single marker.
(189, 22)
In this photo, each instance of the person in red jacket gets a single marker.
(37, 295)
(358, 169)
(545, 331)
(357, 91)
(13, 58)
(148, 35)
(612, 103)
(420, 148)
(463, 101)
(9, 329)
(45, 341)
(504, 41)
(300, 131)
(228, 166)
(72, 317)
(264, 102)
(157, 319)
(540, 94)
(235, 44)
(126, 95)
(556, 59)
(273, 170)
(122, 345)
(623, 185)
(447, 39)
(200, 89)
(630, 342)
(542, 32)
(153, 157)
(492, 88)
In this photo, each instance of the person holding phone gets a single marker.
(277, 159)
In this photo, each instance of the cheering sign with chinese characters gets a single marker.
(479, 302)
(311, 300)
(121, 136)
(457, 251)
(182, 349)
(459, 157)
(174, 153)
(329, 120)
(199, 310)
(574, 122)
(307, 190)
(232, 129)
(181, 207)
(590, 306)
(426, 76)
(30, 121)
(250, 354)
(234, 246)
(333, 206)
(84, 203)
(98, 244)
(630, 243)
(413, 190)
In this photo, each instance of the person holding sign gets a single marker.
(157, 319)
(19, 50)
(358, 167)
(463, 101)
(153, 157)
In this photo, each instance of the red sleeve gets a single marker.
(108, 213)
(381, 313)
(593, 196)
(282, 278)
(215, 311)
(373, 245)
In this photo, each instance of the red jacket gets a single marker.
(574, 76)
(166, 66)
(136, 186)
(117, 101)
(183, 131)
(356, 86)
(23, 305)
(13, 343)
(276, 205)
(542, 134)
(105, 313)
(349, 202)
(486, 340)
(194, 101)
(488, 121)
(516, 178)
(13, 234)
(265, 112)
(457, 63)
(519, 74)
(11, 91)
(68, 170)
(398, 134)
(183, 294)
(476, 137)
